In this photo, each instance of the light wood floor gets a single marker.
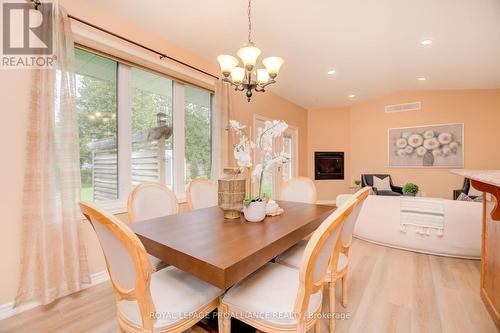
(390, 291)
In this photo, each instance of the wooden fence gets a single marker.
(146, 164)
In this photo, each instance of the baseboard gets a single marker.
(8, 310)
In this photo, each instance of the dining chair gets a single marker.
(278, 298)
(169, 300)
(299, 189)
(202, 193)
(340, 258)
(150, 200)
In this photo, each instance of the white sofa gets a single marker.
(378, 222)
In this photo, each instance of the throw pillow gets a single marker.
(464, 197)
(474, 193)
(382, 184)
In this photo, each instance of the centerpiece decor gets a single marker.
(255, 206)
(410, 189)
(231, 192)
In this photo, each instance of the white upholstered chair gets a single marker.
(340, 259)
(165, 301)
(150, 200)
(299, 189)
(201, 193)
(278, 298)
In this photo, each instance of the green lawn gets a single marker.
(87, 193)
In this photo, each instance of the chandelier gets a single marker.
(248, 77)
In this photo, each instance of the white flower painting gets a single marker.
(438, 146)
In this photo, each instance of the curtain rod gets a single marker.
(162, 55)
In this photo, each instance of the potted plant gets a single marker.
(254, 208)
(357, 183)
(410, 189)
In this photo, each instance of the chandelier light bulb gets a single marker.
(273, 65)
(238, 75)
(262, 76)
(227, 63)
(248, 55)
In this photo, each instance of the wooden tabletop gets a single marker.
(223, 252)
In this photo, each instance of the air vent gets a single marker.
(415, 106)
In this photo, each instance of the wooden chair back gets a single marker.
(299, 189)
(350, 222)
(317, 255)
(150, 200)
(126, 260)
(202, 193)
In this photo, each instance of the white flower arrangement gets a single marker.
(437, 144)
(264, 142)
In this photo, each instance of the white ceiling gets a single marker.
(374, 45)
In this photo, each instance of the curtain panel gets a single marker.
(220, 142)
(53, 259)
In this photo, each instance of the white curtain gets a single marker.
(53, 261)
(222, 114)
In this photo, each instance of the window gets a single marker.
(96, 83)
(134, 124)
(152, 123)
(198, 143)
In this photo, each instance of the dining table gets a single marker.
(222, 251)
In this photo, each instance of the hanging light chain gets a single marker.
(249, 21)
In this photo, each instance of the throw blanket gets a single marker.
(423, 213)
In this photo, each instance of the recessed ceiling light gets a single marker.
(426, 41)
(421, 78)
(331, 71)
(351, 96)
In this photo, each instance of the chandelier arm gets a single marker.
(262, 86)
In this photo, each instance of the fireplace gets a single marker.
(328, 165)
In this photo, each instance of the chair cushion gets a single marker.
(388, 193)
(175, 294)
(156, 263)
(293, 258)
(269, 295)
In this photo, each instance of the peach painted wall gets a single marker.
(479, 110)
(14, 103)
(329, 130)
(367, 125)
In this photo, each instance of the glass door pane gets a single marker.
(287, 169)
(268, 178)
